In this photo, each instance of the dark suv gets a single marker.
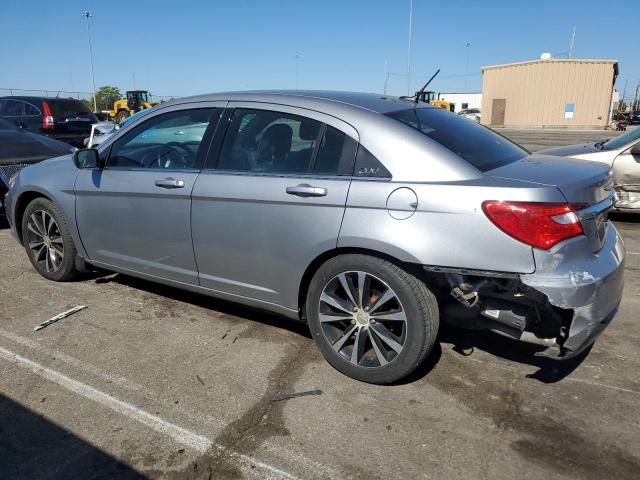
(65, 119)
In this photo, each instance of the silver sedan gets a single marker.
(623, 155)
(370, 218)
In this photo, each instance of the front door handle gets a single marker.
(170, 183)
(306, 190)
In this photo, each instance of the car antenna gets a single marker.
(419, 94)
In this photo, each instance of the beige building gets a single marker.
(551, 93)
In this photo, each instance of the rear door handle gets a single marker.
(306, 190)
(170, 183)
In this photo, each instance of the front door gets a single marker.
(498, 109)
(273, 202)
(135, 214)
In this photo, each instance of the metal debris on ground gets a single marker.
(279, 398)
(200, 379)
(60, 316)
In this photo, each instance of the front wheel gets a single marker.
(47, 240)
(372, 320)
(121, 116)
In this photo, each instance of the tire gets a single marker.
(57, 238)
(122, 114)
(395, 325)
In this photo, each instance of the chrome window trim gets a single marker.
(238, 173)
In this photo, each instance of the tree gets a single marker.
(105, 96)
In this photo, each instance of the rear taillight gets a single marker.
(47, 118)
(540, 225)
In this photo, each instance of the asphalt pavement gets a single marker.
(152, 382)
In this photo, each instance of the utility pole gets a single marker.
(87, 15)
(573, 40)
(409, 52)
(624, 94)
(466, 68)
(386, 77)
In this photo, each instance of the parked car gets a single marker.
(363, 215)
(622, 154)
(471, 114)
(65, 119)
(634, 118)
(100, 131)
(19, 148)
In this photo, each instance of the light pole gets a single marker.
(87, 15)
(466, 68)
(409, 52)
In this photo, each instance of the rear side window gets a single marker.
(478, 145)
(336, 153)
(30, 110)
(269, 142)
(14, 108)
(369, 166)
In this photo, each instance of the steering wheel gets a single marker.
(170, 152)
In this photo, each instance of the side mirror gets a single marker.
(87, 158)
(22, 125)
(635, 150)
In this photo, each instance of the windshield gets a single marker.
(623, 140)
(65, 108)
(478, 145)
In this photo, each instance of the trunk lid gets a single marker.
(586, 185)
(71, 116)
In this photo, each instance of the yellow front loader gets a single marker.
(136, 100)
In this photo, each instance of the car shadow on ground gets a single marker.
(33, 447)
(464, 342)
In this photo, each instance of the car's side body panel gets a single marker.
(445, 215)
(125, 220)
(253, 239)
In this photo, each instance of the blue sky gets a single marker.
(189, 47)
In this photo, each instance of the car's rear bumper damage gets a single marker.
(589, 284)
(564, 305)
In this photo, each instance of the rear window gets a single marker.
(478, 145)
(65, 108)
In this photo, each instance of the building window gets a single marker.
(465, 106)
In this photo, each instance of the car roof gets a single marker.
(373, 102)
(35, 97)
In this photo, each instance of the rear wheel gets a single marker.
(47, 240)
(122, 114)
(371, 320)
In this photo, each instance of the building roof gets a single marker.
(555, 60)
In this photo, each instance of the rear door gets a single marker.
(272, 202)
(135, 214)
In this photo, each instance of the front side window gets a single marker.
(170, 141)
(478, 145)
(270, 142)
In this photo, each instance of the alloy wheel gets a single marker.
(45, 241)
(363, 319)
